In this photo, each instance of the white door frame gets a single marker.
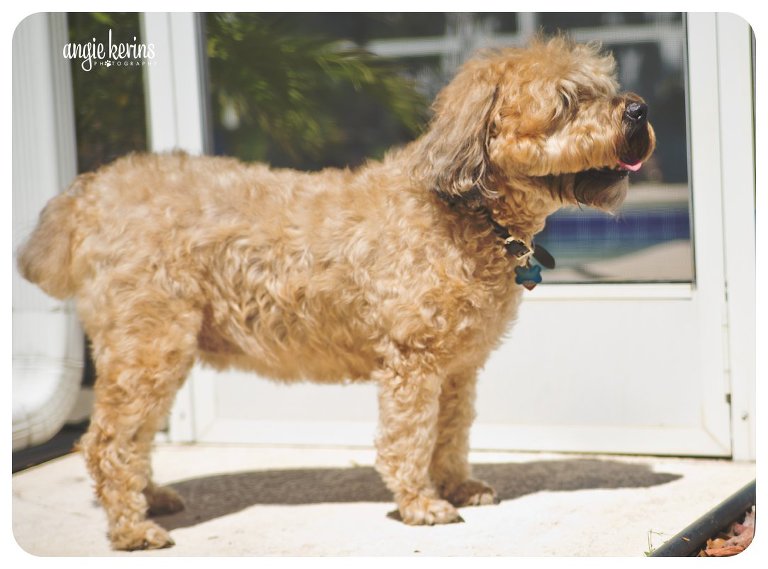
(176, 120)
(720, 100)
(734, 43)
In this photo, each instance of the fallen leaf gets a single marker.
(743, 539)
(715, 543)
(734, 541)
(723, 551)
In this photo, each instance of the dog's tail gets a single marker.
(46, 257)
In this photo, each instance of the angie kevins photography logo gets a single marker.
(120, 54)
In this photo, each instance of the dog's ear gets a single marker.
(452, 156)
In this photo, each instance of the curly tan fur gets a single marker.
(391, 272)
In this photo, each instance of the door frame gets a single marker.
(735, 54)
(720, 103)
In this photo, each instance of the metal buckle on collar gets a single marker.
(517, 248)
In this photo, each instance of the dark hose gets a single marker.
(693, 538)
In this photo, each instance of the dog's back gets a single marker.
(273, 262)
(124, 215)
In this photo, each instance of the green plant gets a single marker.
(110, 115)
(289, 94)
(649, 536)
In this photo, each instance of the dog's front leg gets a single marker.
(450, 468)
(408, 412)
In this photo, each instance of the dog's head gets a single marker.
(552, 113)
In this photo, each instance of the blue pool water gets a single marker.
(575, 237)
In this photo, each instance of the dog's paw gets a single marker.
(144, 535)
(421, 510)
(472, 493)
(163, 500)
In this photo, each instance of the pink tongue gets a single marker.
(631, 167)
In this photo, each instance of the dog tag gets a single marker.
(528, 276)
(543, 256)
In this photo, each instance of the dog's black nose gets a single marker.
(636, 113)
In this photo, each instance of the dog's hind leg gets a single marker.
(450, 468)
(141, 361)
(162, 500)
(408, 411)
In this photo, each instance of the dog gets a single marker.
(405, 271)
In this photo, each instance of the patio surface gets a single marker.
(278, 501)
